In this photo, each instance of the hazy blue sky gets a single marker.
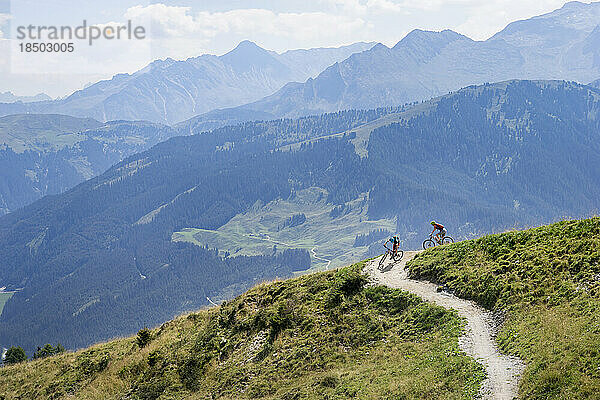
(181, 29)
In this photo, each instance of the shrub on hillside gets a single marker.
(144, 336)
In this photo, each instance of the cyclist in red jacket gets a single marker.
(442, 231)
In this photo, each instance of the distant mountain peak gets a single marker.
(245, 48)
(445, 33)
(421, 37)
(153, 66)
(571, 7)
(248, 55)
(561, 25)
(574, 4)
(247, 43)
(380, 46)
(10, 97)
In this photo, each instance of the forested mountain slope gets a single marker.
(482, 159)
(43, 154)
(110, 270)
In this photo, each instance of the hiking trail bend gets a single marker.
(503, 371)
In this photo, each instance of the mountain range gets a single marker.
(170, 91)
(9, 97)
(48, 153)
(199, 218)
(563, 44)
(252, 83)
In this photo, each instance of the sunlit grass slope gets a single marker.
(547, 281)
(323, 335)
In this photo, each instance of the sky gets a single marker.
(180, 29)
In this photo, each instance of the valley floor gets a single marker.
(328, 232)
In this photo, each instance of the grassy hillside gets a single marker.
(547, 280)
(324, 335)
(327, 235)
(3, 299)
(43, 132)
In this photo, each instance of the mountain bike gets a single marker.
(434, 241)
(390, 254)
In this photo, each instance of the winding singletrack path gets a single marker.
(503, 371)
(320, 258)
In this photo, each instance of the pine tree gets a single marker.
(15, 355)
(48, 350)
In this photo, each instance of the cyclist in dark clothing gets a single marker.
(395, 241)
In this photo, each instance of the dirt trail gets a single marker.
(320, 258)
(503, 371)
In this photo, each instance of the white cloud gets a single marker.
(172, 22)
(386, 6)
(435, 5)
(169, 21)
(394, 6)
(365, 7)
(355, 7)
(4, 58)
(179, 32)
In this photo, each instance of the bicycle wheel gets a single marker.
(428, 243)
(447, 240)
(398, 256)
(382, 261)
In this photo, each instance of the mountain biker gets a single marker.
(395, 241)
(438, 227)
